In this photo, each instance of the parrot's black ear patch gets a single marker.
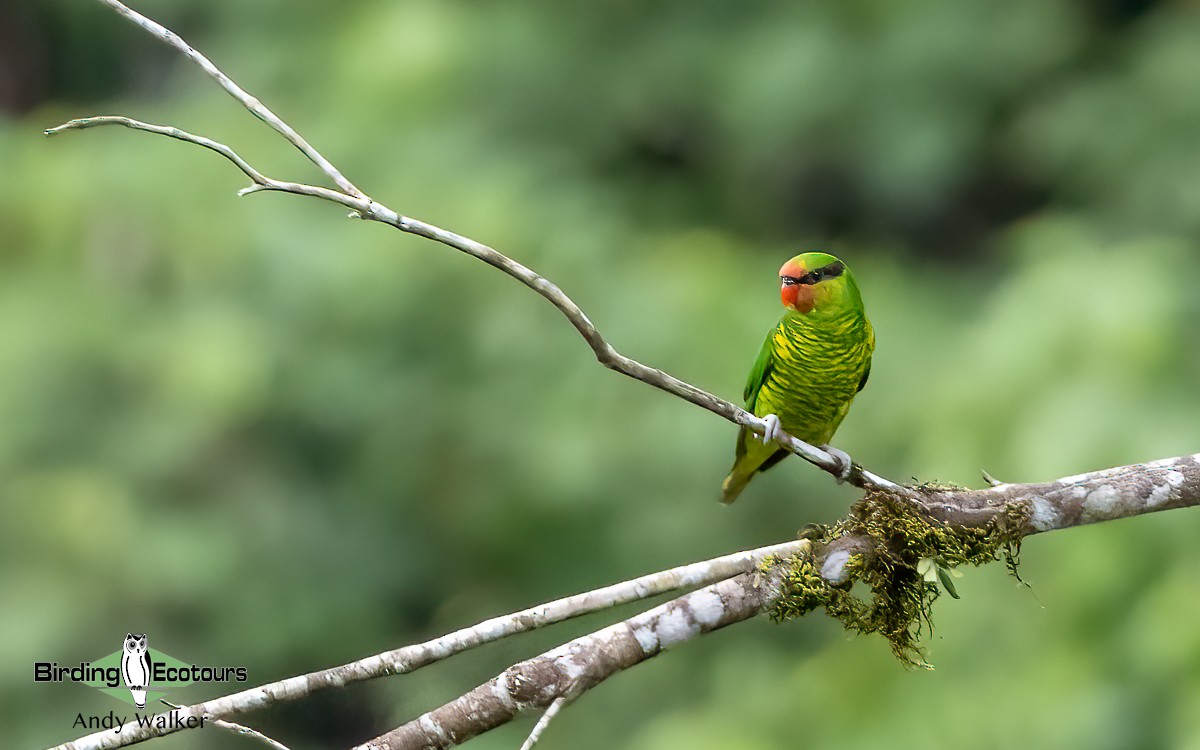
(833, 270)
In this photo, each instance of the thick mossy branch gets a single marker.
(894, 534)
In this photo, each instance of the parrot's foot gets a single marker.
(843, 459)
(771, 425)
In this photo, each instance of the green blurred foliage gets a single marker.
(269, 436)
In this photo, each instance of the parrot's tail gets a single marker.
(744, 468)
(734, 484)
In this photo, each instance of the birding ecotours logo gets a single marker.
(135, 673)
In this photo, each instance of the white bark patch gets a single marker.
(1159, 495)
(1100, 503)
(572, 669)
(707, 607)
(493, 629)
(500, 690)
(432, 728)
(834, 569)
(674, 627)
(646, 638)
(1043, 516)
(1162, 492)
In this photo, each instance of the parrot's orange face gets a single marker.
(801, 288)
(795, 295)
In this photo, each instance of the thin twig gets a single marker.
(544, 722)
(991, 480)
(247, 731)
(237, 729)
(171, 132)
(260, 180)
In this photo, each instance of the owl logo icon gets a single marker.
(135, 666)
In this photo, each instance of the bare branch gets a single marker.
(411, 658)
(367, 208)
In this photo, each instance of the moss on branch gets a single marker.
(893, 535)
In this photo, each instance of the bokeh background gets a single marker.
(269, 436)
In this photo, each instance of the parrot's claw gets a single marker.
(771, 428)
(843, 459)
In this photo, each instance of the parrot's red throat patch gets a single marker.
(798, 297)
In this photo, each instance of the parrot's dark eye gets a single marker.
(790, 280)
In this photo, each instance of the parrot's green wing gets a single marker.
(870, 350)
(866, 374)
(758, 373)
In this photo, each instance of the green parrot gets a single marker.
(811, 366)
